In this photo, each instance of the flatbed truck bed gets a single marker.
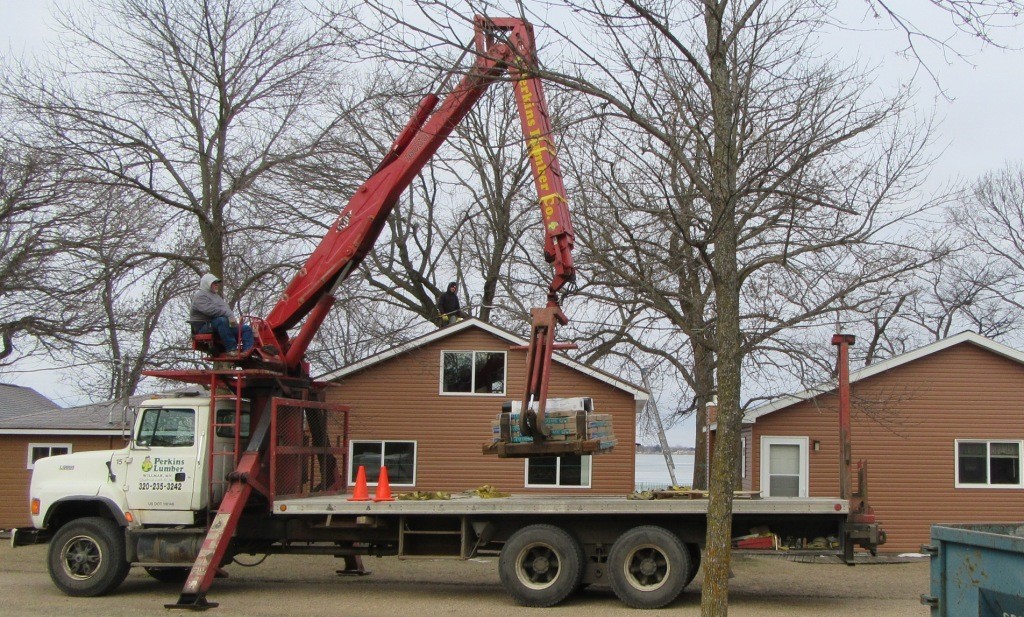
(470, 504)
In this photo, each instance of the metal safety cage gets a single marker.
(308, 451)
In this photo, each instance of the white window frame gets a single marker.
(415, 459)
(472, 383)
(28, 455)
(766, 443)
(558, 475)
(988, 457)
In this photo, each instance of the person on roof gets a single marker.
(449, 307)
(210, 313)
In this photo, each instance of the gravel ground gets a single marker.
(308, 586)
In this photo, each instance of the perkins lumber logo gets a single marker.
(147, 465)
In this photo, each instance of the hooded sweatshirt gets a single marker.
(206, 305)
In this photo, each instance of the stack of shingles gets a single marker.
(567, 419)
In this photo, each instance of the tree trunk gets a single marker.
(725, 234)
(704, 386)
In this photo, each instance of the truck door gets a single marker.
(224, 453)
(161, 476)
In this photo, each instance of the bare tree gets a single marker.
(39, 289)
(135, 285)
(182, 110)
(768, 170)
(991, 214)
(188, 104)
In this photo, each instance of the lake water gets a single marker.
(651, 471)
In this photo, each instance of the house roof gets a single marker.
(639, 394)
(106, 418)
(18, 400)
(964, 337)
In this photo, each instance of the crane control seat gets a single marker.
(206, 342)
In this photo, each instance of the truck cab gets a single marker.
(97, 506)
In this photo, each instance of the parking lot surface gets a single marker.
(308, 586)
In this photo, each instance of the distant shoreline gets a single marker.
(642, 449)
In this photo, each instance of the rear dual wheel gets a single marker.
(541, 565)
(649, 567)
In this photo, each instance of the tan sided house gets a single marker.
(942, 428)
(31, 429)
(426, 408)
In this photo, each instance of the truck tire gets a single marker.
(694, 552)
(87, 558)
(169, 575)
(648, 567)
(541, 565)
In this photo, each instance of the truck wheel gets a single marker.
(86, 557)
(694, 552)
(648, 567)
(169, 575)
(540, 565)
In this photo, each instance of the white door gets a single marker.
(784, 466)
(163, 465)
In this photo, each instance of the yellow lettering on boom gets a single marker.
(527, 97)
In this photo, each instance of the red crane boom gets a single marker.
(504, 50)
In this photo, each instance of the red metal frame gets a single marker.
(284, 449)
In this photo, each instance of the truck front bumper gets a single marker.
(26, 536)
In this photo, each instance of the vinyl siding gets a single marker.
(905, 423)
(400, 400)
(15, 478)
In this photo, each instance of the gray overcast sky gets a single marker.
(982, 126)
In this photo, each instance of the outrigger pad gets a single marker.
(193, 603)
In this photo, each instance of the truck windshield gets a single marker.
(167, 427)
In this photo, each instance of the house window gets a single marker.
(398, 456)
(37, 451)
(988, 463)
(473, 372)
(784, 466)
(563, 471)
(164, 427)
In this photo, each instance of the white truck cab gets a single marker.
(89, 503)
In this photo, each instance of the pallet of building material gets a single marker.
(571, 425)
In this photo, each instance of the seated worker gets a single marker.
(449, 307)
(210, 313)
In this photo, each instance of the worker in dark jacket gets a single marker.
(449, 307)
(210, 313)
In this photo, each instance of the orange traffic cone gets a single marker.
(361, 493)
(383, 492)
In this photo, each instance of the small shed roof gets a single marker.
(18, 400)
(105, 418)
(639, 394)
(887, 365)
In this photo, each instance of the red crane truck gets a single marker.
(256, 465)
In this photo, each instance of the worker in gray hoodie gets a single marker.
(210, 313)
